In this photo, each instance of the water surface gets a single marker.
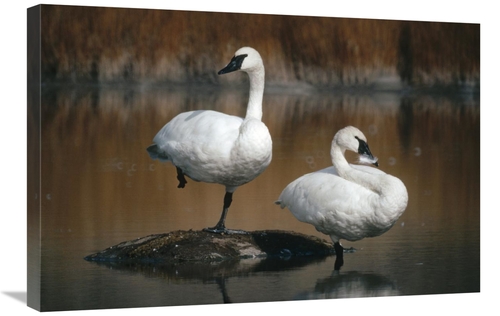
(99, 188)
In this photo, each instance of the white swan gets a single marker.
(347, 201)
(214, 147)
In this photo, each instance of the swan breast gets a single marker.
(340, 208)
(251, 153)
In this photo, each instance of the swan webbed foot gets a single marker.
(339, 252)
(217, 229)
(224, 231)
(181, 178)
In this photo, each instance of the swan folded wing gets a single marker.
(330, 203)
(199, 142)
(347, 211)
(364, 212)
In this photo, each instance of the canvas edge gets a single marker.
(33, 159)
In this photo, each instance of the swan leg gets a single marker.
(220, 228)
(181, 178)
(339, 252)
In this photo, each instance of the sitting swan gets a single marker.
(347, 201)
(214, 147)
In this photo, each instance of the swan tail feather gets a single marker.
(280, 203)
(155, 153)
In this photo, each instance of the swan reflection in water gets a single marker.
(350, 284)
(237, 272)
(347, 201)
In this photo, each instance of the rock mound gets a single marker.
(201, 246)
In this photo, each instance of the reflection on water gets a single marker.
(100, 188)
(351, 284)
(220, 273)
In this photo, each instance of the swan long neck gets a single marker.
(346, 172)
(254, 108)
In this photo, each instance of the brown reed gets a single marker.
(103, 45)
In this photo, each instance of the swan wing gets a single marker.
(198, 140)
(323, 191)
(334, 206)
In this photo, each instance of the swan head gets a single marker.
(351, 138)
(246, 59)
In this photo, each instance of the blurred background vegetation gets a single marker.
(119, 45)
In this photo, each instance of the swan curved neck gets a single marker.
(346, 172)
(254, 108)
(338, 159)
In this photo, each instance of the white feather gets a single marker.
(214, 147)
(367, 160)
(346, 201)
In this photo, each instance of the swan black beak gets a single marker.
(364, 150)
(234, 64)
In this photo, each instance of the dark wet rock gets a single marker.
(201, 246)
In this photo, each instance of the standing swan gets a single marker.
(214, 147)
(347, 201)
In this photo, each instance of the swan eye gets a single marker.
(238, 60)
(242, 56)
